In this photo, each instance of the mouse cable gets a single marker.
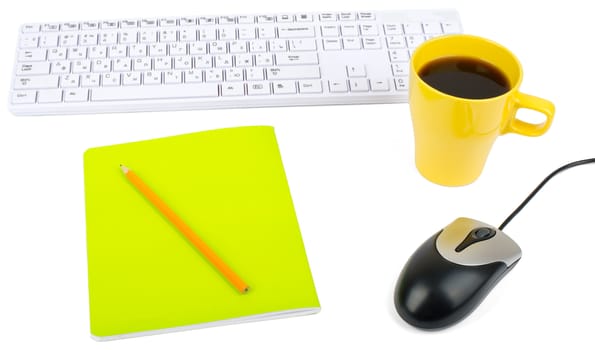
(532, 194)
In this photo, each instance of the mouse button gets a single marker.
(455, 233)
(476, 235)
(498, 248)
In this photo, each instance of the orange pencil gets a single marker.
(202, 247)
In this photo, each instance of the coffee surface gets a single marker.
(465, 77)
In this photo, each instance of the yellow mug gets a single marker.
(453, 135)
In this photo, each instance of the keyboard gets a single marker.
(230, 61)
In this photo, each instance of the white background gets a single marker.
(362, 206)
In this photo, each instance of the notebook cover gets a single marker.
(230, 187)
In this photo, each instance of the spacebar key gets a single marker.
(150, 92)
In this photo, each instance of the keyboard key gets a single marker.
(337, 86)
(310, 86)
(372, 43)
(395, 42)
(213, 75)
(402, 83)
(379, 85)
(245, 19)
(264, 59)
(328, 17)
(393, 29)
(349, 30)
(57, 53)
(347, 16)
(298, 31)
(148, 22)
(368, 29)
(284, 87)
(432, 27)
(31, 55)
(173, 77)
(293, 72)
(451, 27)
(113, 79)
(30, 28)
(192, 76)
(366, 16)
(400, 69)
(132, 93)
(104, 65)
(28, 41)
(72, 81)
(90, 80)
(352, 44)
(399, 55)
(24, 97)
(234, 74)
(151, 78)
(259, 88)
(285, 18)
(36, 82)
(303, 17)
(331, 30)
(61, 67)
(302, 45)
(266, 31)
(255, 74)
(277, 45)
(288, 59)
(412, 28)
(232, 89)
(49, 96)
(50, 27)
(358, 84)
(33, 68)
(414, 41)
(76, 95)
(331, 44)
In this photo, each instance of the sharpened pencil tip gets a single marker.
(124, 169)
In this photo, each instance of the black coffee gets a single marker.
(465, 77)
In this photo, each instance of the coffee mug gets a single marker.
(463, 94)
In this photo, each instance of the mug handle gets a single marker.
(535, 103)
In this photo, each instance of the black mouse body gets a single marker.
(452, 272)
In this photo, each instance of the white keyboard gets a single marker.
(237, 61)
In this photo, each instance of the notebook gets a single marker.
(230, 187)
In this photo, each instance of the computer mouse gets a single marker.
(450, 274)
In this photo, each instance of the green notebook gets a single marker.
(229, 186)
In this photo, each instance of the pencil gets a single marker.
(198, 243)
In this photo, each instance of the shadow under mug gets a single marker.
(454, 135)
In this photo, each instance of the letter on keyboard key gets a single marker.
(154, 92)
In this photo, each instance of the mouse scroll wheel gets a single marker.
(476, 235)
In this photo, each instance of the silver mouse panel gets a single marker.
(500, 247)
